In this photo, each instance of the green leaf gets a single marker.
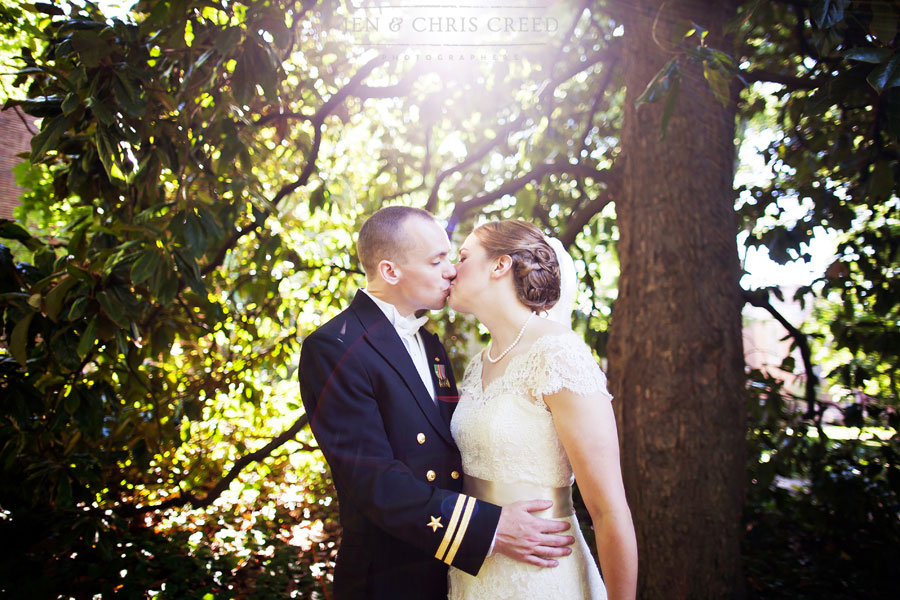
(190, 270)
(194, 234)
(72, 401)
(828, 13)
(669, 107)
(265, 70)
(90, 46)
(18, 341)
(71, 103)
(788, 364)
(55, 297)
(76, 311)
(103, 114)
(884, 21)
(107, 150)
(88, 338)
(660, 83)
(46, 140)
(886, 76)
(112, 309)
(12, 230)
(317, 198)
(210, 223)
(881, 182)
(868, 54)
(718, 82)
(127, 95)
(49, 9)
(145, 265)
(242, 86)
(49, 106)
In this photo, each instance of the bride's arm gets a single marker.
(587, 428)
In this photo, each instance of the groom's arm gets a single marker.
(344, 416)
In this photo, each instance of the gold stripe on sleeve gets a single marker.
(451, 527)
(461, 532)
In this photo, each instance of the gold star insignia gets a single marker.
(435, 523)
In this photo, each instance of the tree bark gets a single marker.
(675, 352)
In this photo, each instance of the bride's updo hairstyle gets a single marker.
(534, 265)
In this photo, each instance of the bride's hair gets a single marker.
(535, 267)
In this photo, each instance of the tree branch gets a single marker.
(597, 99)
(576, 222)
(760, 298)
(609, 177)
(24, 120)
(546, 88)
(186, 498)
(401, 88)
(792, 82)
(471, 159)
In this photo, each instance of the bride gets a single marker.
(533, 411)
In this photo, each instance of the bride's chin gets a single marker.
(452, 303)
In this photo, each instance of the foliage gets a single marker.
(821, 514)
(191, 201)
(828, 508)
(133, 373)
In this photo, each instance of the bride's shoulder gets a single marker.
(551, 333)
(546, 328)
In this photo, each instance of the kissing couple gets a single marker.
(465, 492)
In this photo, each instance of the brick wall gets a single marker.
(14, 138)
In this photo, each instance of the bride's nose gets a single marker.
(450, 271)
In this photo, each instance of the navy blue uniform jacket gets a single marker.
(395, 466)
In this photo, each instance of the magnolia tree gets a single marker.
(193, 193)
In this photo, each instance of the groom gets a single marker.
(379, 393)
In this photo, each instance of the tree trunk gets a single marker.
(675, 353)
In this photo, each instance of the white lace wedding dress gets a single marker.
(506, 435)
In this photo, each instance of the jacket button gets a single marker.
(430, 475)
(454, 474)
(420, 438)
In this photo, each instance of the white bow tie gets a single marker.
(408, 326)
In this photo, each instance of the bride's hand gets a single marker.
(529, 539)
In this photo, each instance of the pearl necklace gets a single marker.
(511, 346)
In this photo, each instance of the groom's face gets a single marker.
(425, 270)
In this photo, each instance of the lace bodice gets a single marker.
(505, 431)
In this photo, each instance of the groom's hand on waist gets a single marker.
(530, 539)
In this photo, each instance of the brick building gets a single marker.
(14, 139)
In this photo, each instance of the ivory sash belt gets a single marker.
(502, 494)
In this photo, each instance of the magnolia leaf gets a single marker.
(71, 103)
(88, 338)
(887, 75)
(828, 13)
(884, 21)
(49, 9)
(18, 341)
(718, 82)
(146, 264)
(868, 54)
(669, 107)
(194, 234)
(54, 299)
(112, 309)
(660, 83)
(46, 140)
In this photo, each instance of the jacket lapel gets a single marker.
(382, 336)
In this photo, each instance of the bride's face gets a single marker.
(473, 274)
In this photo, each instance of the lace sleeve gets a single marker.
(471, 380)
(565, 362)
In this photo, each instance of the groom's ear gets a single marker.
(389, 272)
(502, 266)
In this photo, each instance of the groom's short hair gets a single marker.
(382, 237)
